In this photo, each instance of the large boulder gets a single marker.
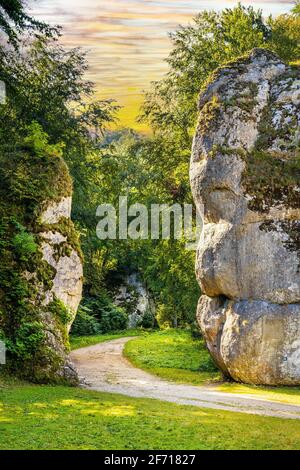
(245, 175)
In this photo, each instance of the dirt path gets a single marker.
(104, 368)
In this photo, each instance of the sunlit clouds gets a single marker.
(127, 40)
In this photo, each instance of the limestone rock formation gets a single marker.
(245, 175)
(135, 298)
(67, 282)
(66, 285)
(40, 259)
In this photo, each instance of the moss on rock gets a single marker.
(33, 174)
(271, 180)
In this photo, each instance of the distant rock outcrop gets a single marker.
(135, 298)
(245, 173)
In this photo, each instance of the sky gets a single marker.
(127, 40)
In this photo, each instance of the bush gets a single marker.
(85, 323)
(164, 316)
(99, 315)
(148, 320)
(28, 342)
(24, 244)
(113, 318)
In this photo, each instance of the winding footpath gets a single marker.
(103, 367)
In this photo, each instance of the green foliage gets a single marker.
(148, 320)
(173, 354)
(85, 323)
(109, 316)
(28, 341)
(147, 171)
(45, 84)
(37, 140)
(213, 39)
(165, 316)
(24, 244)
(14, 20)
(296, 8)
(285, 35)
(62, 313)
(170, 276)
(99, 315)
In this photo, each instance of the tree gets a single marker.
(14, 21)
(146, 170)
(285, 37)
(296, 9)
(46, 85)
(213, 39)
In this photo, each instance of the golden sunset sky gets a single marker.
(127, 40)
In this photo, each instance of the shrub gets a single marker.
(28, 342)
(164, 316)
(99, 315)
(148, 320)
(24, 244)
(85, 323)
(113, 318)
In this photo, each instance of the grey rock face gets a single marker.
(66, 285)
(134, 296)
(245, 172)
(68, 280)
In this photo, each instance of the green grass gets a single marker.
(45, 417)
(173, 355)
(56, 417)
(77, 342)
(289, 395)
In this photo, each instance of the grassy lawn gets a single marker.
(173, 355)
(77, 342)
(45, 417)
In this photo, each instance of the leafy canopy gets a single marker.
(212, 39)
(14, 20)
